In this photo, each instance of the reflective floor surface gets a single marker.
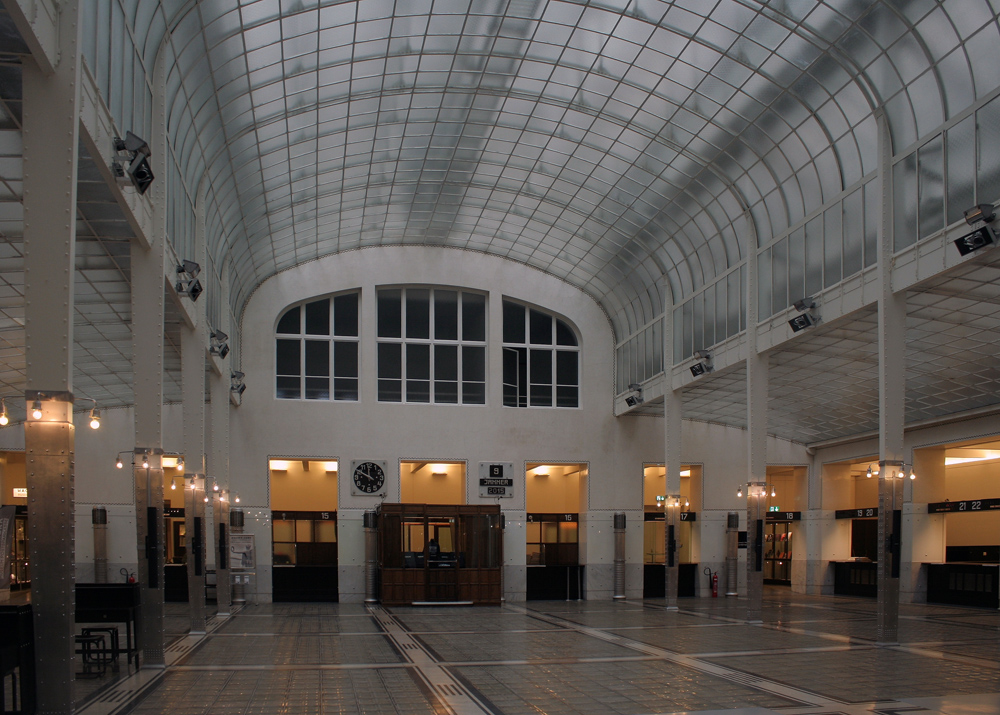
(810, 656)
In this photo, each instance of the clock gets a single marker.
(368, 477)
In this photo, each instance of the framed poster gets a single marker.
(242, 554)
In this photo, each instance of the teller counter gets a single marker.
(964, 584)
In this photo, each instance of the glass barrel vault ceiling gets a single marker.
(608, 143)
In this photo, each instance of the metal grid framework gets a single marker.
(621, 145)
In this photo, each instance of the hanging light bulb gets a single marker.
(237, 499)
(773, 492)
(173, 485)
(686, 502)
(215, 487)
(36, 409)
(95, 418)
(3, 414)
(739, 491)
(145, 460)
(869, 473)
(206, 498)
(180, 464)
(912, 474)
(118, 462)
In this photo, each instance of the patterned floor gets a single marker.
(811, 656)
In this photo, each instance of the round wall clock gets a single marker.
(369, 477)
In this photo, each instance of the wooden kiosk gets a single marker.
(440, 553)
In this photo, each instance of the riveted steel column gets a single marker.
(223, 590)
(50, 132)
(732, 551)
(371, 556)
(619, 556)
(99, 518)
(757, 378)
(218, 462)
(891, 393)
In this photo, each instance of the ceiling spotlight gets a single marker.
(4, 419)
(980, 212)
(807, 317)
(95, 418)
(219, 344)
(636, 397)
(704, 364)
(236, 382)
(136, 152)
(36, 409)
(187, 281)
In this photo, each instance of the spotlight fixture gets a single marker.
(982, 236)
(36, 409)
(136, 152)
(4, 419)
(187, 280)
(236, 382)
(219, 344)
(980, 212)
(636, 397)
(756, 489)
(807, 316)
(704, 364)
(905, 470)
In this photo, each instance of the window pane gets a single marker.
(345, 388)
(445, 315)
(446, 392)
(317, 388)
(418, 362)
(474, 393)
(345, 359)
(418, 313)
(418, 390)
(318, 317)
(390, 360)
(345, 315)
(513, 323)
(541, 395)
(317, 358)
(390, 390)
(541, 367)
(289, 388)
(446, 362)
(289, 323)
(567, 396)
(564, 333)
(289, 357)
(566, 368)
(541, 328)
(390, 314)
(474, 363)
(474, 317)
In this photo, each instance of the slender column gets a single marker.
(671, 455)
(50, 134)
(194, 525)
(222, 587)
(193, 410)
(757, 379)
(619, 556)
(891, 394)
(219, 462)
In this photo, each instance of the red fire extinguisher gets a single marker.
(714, 576)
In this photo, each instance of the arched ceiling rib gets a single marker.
(605, 142)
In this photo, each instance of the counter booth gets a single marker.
(440, 553)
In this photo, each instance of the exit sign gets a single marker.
(774, 508)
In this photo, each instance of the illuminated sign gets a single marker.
(20, 493)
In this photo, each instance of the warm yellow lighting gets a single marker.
(331, 466)
(685, 472)
(982, 456)
(118, 462)
(95, 419)
(145, 461)
(3, 414)
(541, 471)
(237, 499)
(169, 462)
(173, 485)
(36, 409)
(278, 465)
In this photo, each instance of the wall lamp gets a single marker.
(187, 280)
(704, 364)
(635, 398)
(807, 314)
(664, 500)
(95, 414)
(982, 236)
(136, 152)
(756, 489)
(236, 382)
(219, 344)
(4, 419)
(905, 470)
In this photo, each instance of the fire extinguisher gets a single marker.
(715, 581)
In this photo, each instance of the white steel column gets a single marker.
(50, 132)
(757, 379)
(891, 397)
(671, 456)
(218, 462)
(193, 416)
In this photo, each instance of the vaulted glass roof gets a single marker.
(611, 143)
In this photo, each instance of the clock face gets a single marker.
(368, 477)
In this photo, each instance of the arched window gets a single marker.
(316, 344)
(541, 359)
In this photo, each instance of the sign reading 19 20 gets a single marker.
(496, 480)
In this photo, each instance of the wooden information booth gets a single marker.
(438, 553)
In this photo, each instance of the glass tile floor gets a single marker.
(810, 656)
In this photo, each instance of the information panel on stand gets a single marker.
(867, 513)
(947, 507)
